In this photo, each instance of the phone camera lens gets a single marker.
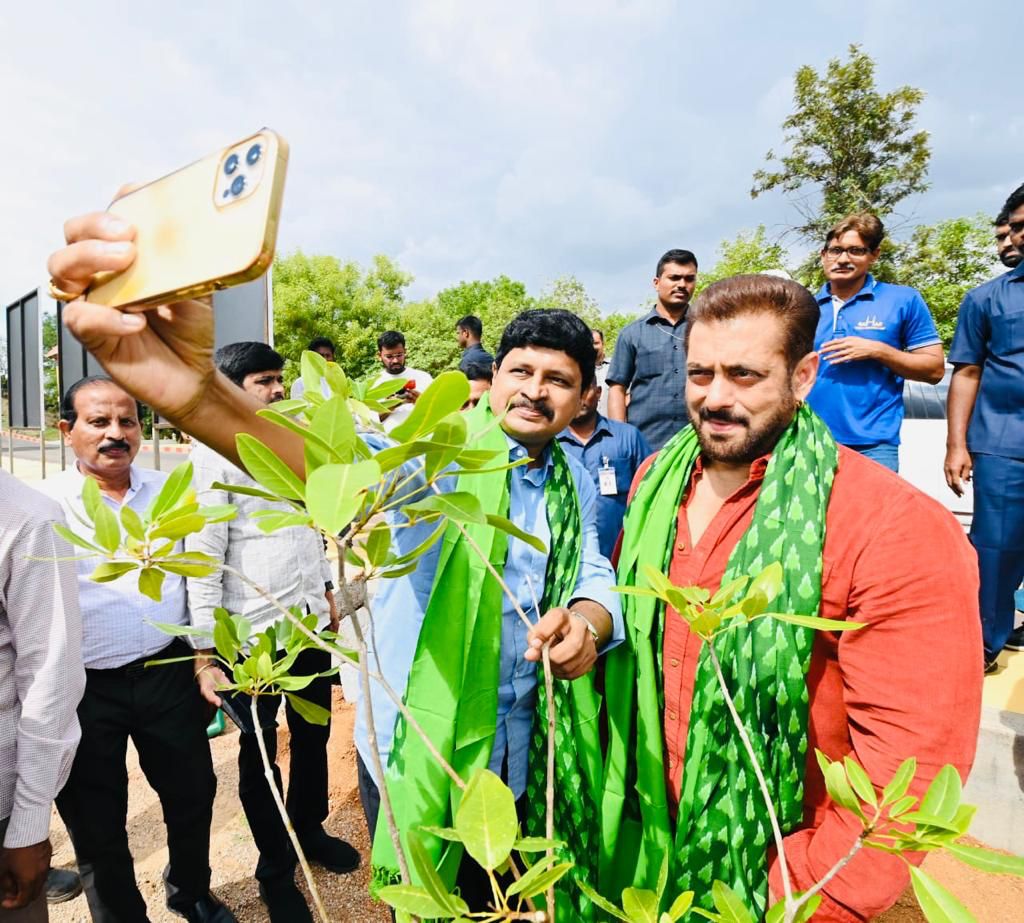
(231, 164)
(237, 185)
(253, 154)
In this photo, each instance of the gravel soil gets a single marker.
(996, 898)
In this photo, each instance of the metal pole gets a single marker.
(41, 293)
(10, 443)
(156, 442)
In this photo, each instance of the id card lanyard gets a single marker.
(606, 478)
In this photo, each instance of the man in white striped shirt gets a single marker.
(159, 708)
(41, 682)
(289, 563)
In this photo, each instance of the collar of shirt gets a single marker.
(867, 290)
(653, 317)
(602, 427)
(134, 482)
(517, 451)
(757, 469)
(1016, 274)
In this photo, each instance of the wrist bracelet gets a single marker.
(590, 627)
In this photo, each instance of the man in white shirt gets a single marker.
(291, 565)
(41, 683)
(325, 348)
(391, 350)
(159, 708)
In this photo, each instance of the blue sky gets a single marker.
(468, 139)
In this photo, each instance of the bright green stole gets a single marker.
(722, 828)
(452, 689)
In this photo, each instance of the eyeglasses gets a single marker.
(836, 252)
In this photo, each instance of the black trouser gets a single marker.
(161, 710)
(472, 882)
(307, 778)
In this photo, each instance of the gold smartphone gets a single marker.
(204, 227)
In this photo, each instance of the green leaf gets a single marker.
(900, 781)
(378, 544)
(860, 781)
(179, 527)
(839, 789)
(447, 443)
(333, 423)
(112, 570)
(266, 468)
(175, 487)
(902, 805)
(417, 552)
(181, 631)
(335, 493)
(603, 903)
(309, 711)
(271, 520)
(537, 879)
(680, 905)
(823, 761)
(729, 904)
(726, 593)
(938, 904)
(245, 489)
(510, 528)
(277, 415)
(223, 512)
(943, 795)
(65, 533)
(447, 394)
(924, 819)
(413, 900)
(451, 904)
(132, 523)
(813, 621)
(312, 367)
(486, 819)
(459, 505)
(151, 583)
(768, 583)
(393, 456)
(988, 861)
(108, 532)
(442, 833)
(641, 905)
(92, 500)
(224, 640)
(777, 911)
(536, 844)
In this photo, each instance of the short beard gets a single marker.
(756, 442)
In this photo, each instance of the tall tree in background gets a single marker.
(851, 147)
(321, 296)
(748, 252)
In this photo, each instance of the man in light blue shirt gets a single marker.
(544, 362)
(871, 336)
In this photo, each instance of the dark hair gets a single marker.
(67, 403)
(472, 325)
(551, 328)
(1015, 201)
(600, 333)
(320, 343)
(389, 339)
(479, 371)
(1002, 218)
(868, 226)
(236, 360)
(793, 304)
(682, 257)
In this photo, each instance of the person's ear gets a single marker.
(804, 376)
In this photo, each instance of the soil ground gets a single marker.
(992, 898)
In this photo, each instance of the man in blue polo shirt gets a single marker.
(611, 452)
(985, 436)
(870, 337)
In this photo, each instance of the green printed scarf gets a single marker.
(722, 828)
(452, 688)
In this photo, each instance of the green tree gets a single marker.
(942, 261)
(429, 326)
(855, 147)
(748, 252)
(321, 296)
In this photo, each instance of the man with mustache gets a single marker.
(545, 360)
(392, 355)
(159, 709)
(871, 336)
(291, 565)
(1009, 255)
(650, 356)
(756, 479)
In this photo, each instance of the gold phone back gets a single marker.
(189, 241)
